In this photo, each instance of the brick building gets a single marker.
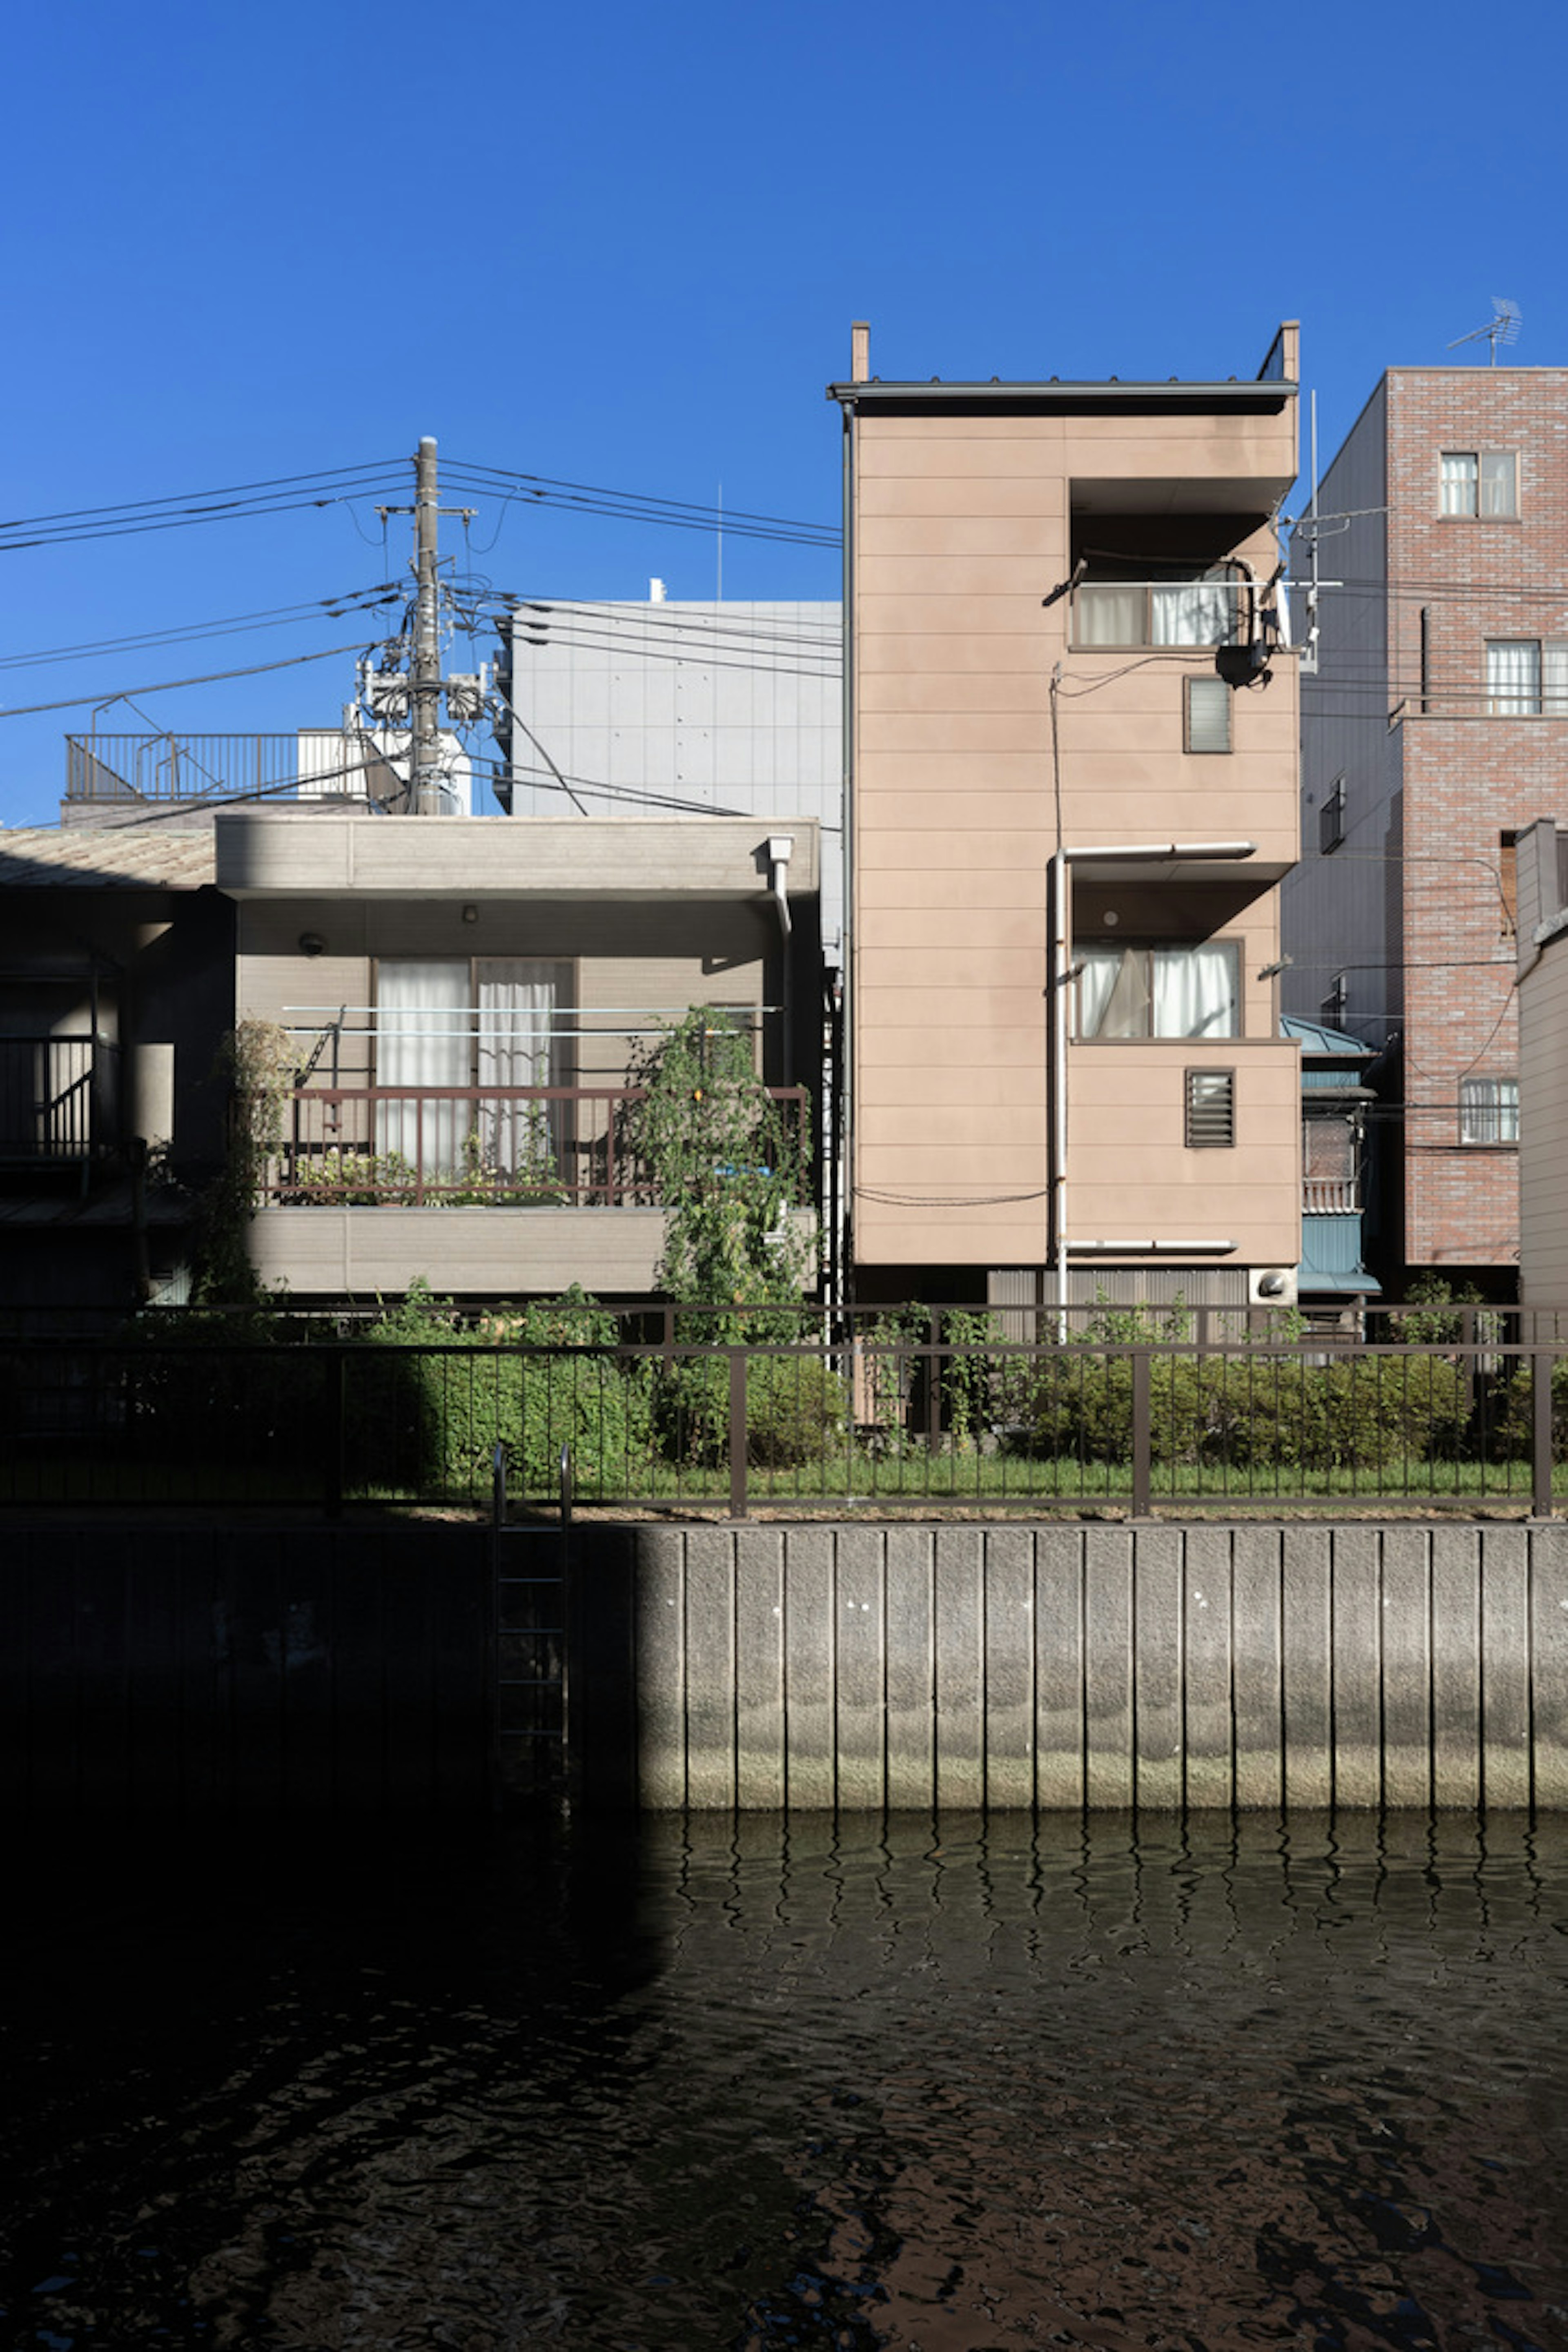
(1434, 728)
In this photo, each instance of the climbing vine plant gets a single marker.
(256, 1062)
(728, 1164)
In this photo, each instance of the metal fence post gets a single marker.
(737, 1433)
(1141, 1481)
(933, 1385)
(336, 1431)
(1541, 1365)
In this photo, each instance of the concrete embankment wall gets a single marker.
(264, 1668)
(814, 1666)
(1102, 1665)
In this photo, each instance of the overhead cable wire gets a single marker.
(332, 608)
(169, 685)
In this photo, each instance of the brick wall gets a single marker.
(1468, 777)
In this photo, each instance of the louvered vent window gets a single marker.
(1208, 714)
(1211, 1109)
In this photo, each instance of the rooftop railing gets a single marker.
(162, 768)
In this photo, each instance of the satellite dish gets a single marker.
(1503, 327)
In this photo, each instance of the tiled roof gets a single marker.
(157, 855)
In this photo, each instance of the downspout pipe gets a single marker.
(781, 847)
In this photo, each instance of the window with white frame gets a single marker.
(454, 1036)
(1526, 678)
(1489, 1110)
(1481, 483)
(1133, 989)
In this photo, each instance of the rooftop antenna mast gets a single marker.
(1503, 327)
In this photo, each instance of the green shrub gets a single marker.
(796, 1409)
(1260, 1411)
(473, 1387)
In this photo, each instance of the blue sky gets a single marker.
(622, 245)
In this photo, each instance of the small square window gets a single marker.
(1481, 483)
(1489, 1110)
(1211, 1109)
(1207, 714)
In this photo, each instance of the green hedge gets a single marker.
(1254, 1411)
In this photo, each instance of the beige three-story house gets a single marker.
(1071, 713)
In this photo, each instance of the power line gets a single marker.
(333, 608)
(168, 685)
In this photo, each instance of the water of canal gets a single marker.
(678, 2085)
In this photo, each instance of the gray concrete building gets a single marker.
(663, 710)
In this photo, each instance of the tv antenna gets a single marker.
(1503, 327)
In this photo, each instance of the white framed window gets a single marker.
(1526, 678)
(1135, 990)
(1489, 1110)
(1481, 483)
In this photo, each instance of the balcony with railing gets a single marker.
(57, 1100)
(426, 1147)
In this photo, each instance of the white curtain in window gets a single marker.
(1513, 677)
(1195, 991)
(1112, 992)
(1192, 613)
(1498, 495)
(1107, 615)
(1459, 481)
(1171, 992)
(518, 998)
(424, 1038)
(1555, 677)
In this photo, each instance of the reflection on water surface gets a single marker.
(715, 2083)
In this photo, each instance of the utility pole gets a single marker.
(415, 693)
(426, 683)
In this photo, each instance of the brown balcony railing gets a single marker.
(502, 1147)
(56, 1097)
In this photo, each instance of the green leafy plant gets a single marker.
(725, 1167)
(255, 1062)
(475, 1385)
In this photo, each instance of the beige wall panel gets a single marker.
(918, 540)
(940, 889)
(948, 620)
(969, 977)
(890, 828)
(967, 449)
(919, 1005)
(887, 496)
(963, 850)
(951, 690)
(983, 926)
(977, 1237)
(890, 1047)
(1176, 448)
(944, 1129)
(910, 1086)
(921, 652)
(989, 582)
(885, 734)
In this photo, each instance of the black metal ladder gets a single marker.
(532, 1703)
